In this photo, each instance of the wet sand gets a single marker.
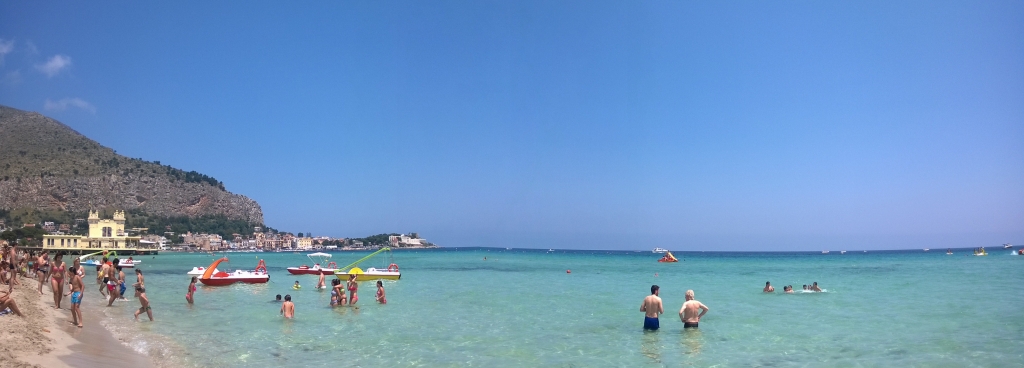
(45, 337)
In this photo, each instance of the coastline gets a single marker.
(44, 337)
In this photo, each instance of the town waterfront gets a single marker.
(521, 308)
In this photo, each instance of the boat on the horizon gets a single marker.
(842, 252)
(926, 249)
(659, 250)
(317, 259)
(980, 252)
(824, 252)
(949, 252)
(1007, 246)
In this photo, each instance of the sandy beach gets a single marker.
(45, 337)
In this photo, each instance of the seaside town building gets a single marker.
(104, 234)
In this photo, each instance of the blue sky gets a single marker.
(597, 125)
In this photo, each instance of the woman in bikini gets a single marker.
(57, 271)
(191, 290)
(380, 293)
(353, 286)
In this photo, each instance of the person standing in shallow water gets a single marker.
(768, 287)
(652, 307)
(353, 287)
(191, 291)
(688, 313)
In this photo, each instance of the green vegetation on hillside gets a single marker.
(135, 218)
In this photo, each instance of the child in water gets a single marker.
(296, 286)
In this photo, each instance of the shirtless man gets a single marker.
(288, 308)
(652, 308)
(111, 279)
(768, 287)
(814, 287)
(101, 276)
(688, 313)
(76, 296)
(144, 301)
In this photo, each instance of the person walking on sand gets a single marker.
(42, 269)
(768, 287)
(76, 296)
(380, 293)
(57, 273)
(353, 287)
(144, 301)
(191, 291)
(688, 313)
(652, 308)
(288, 308)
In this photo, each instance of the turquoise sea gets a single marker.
(521, 308)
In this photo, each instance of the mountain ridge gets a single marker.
(45, 164)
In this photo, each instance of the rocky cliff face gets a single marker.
(46, 165)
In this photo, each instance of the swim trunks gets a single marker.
(110, 287)
(651, 323)
(123, 288)
(689, 324)
(76, 297)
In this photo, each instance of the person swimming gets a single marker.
(768, 287)
(296, 286)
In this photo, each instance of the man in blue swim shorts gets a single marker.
(652, 308)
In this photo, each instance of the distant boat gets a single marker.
(659, 250)
(824, 252)
(1007, 246)
(949, 252)
(842, 252)
(551, 250)
(926, 249)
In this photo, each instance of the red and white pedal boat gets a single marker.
(220, 278)
(317, 259)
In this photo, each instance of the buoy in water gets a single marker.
(568, 271)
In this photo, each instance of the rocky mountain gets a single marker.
(45, 164)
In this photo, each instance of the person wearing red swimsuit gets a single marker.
(380, 293)
(353, 286)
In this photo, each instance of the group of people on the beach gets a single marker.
(338, 297)
(788, 289)
(65, 281)
(689, 314)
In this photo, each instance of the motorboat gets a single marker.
(1007, 246)
(668, 258)
(317, 259)
(824, 252)
(842, 252)
(949, 252)
(926, 249)
(980, 252)
(659, 250)
(214, 277)
(389, 273)
(198, 271)
(92, 260)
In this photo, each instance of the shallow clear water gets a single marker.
(521, 308)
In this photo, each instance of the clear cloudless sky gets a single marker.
(688, 125)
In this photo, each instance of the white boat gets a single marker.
(1007, 246)
(659, 250)
(926, 249)
(842, 252)
(317, 259)
(824, 252)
